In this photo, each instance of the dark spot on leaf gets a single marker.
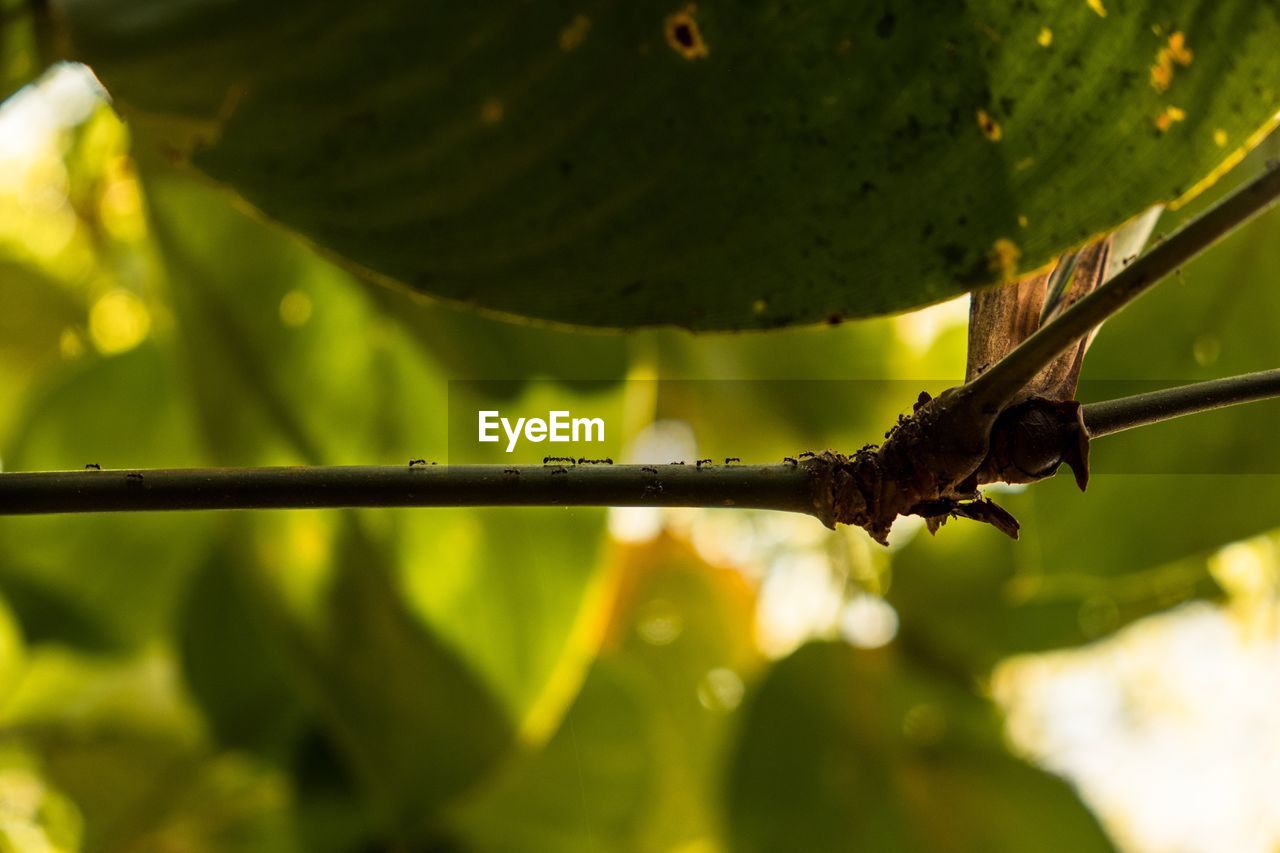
(683, 35)
(952, 254)
(886, 24)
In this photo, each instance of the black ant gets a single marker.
(681, 462)
(808, 454)
(649, 468)
(728, 460)
(560, 470)
(546, 460)
(414, 462)
(702, 462)
(511, 471)
(93, 466)
(605, 461)
(790, 459)
(134, 476)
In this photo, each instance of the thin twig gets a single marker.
(793, 488)
(995, 388)
(1142, 409)
(803, 488)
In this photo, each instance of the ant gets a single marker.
(808, 454)
(414, 462)
(93, 466)
(134, 476)
(649, 468)
(702, 462)
(511, 471)
(560, 470)
(681, 462)
(790, 459)
(549, 459)
(605, 461)
(728, 460)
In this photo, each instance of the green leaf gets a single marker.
(34, 815)
(847, 750)
(58, 571)
(415, 725)
(144, 795)
(20, 61)
(969, 596)
(422, 642)
(638, 760)
(34, 311)
(116, 737)
(711, 166)
(231, 664)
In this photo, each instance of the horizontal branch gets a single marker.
(1142, 409)
(806, 487)
(788, 487)
(994, 389)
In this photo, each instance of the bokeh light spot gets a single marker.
(295, 308)
(118, 322)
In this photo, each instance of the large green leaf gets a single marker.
(713, 166)
(844, 750)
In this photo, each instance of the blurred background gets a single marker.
(627, 679)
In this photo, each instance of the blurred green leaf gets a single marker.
(423, 641)
(637, 762)
(595, 165)
(969, 596)
(849, 750)
(415, 724)
(34, 311)
(122, 412)
(118, 739)
(33, 814)
(145, 796)
(20, 61)
(232, 665)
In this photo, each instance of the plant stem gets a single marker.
(803, 488)
(1142, 409)
(794, 488)
(994, 389)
